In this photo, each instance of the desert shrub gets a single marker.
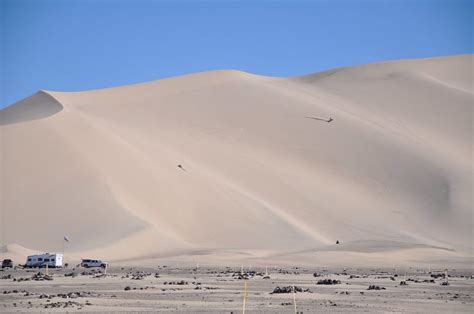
(328, 282)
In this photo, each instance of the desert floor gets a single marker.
(221, 290)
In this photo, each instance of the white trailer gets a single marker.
(41, 260)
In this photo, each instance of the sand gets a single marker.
(227, 167)
(168, 288)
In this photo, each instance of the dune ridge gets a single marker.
(38, 106)
(257, 178)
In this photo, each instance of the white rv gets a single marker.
(41, 260)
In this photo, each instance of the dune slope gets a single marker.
(227, 160)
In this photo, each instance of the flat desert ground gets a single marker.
(221, 290)
(227, 168)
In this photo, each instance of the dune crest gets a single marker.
(38, 106)
(227, 160)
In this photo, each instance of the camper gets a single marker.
(46, 259)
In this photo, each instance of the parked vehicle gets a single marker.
(93, 263)
(43, 260)
(7, 263)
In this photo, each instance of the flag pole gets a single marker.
(65, 239)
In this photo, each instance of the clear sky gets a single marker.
(77, 45)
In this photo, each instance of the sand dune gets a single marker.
(257, 175)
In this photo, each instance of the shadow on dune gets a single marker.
(38, 106)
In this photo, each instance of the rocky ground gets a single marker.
(221, 290)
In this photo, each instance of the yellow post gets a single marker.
(245, 297)
(294, 298)
(46, 268)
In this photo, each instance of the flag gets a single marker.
(66, 239)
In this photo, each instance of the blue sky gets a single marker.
(79, 45)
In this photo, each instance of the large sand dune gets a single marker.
(390, 177)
